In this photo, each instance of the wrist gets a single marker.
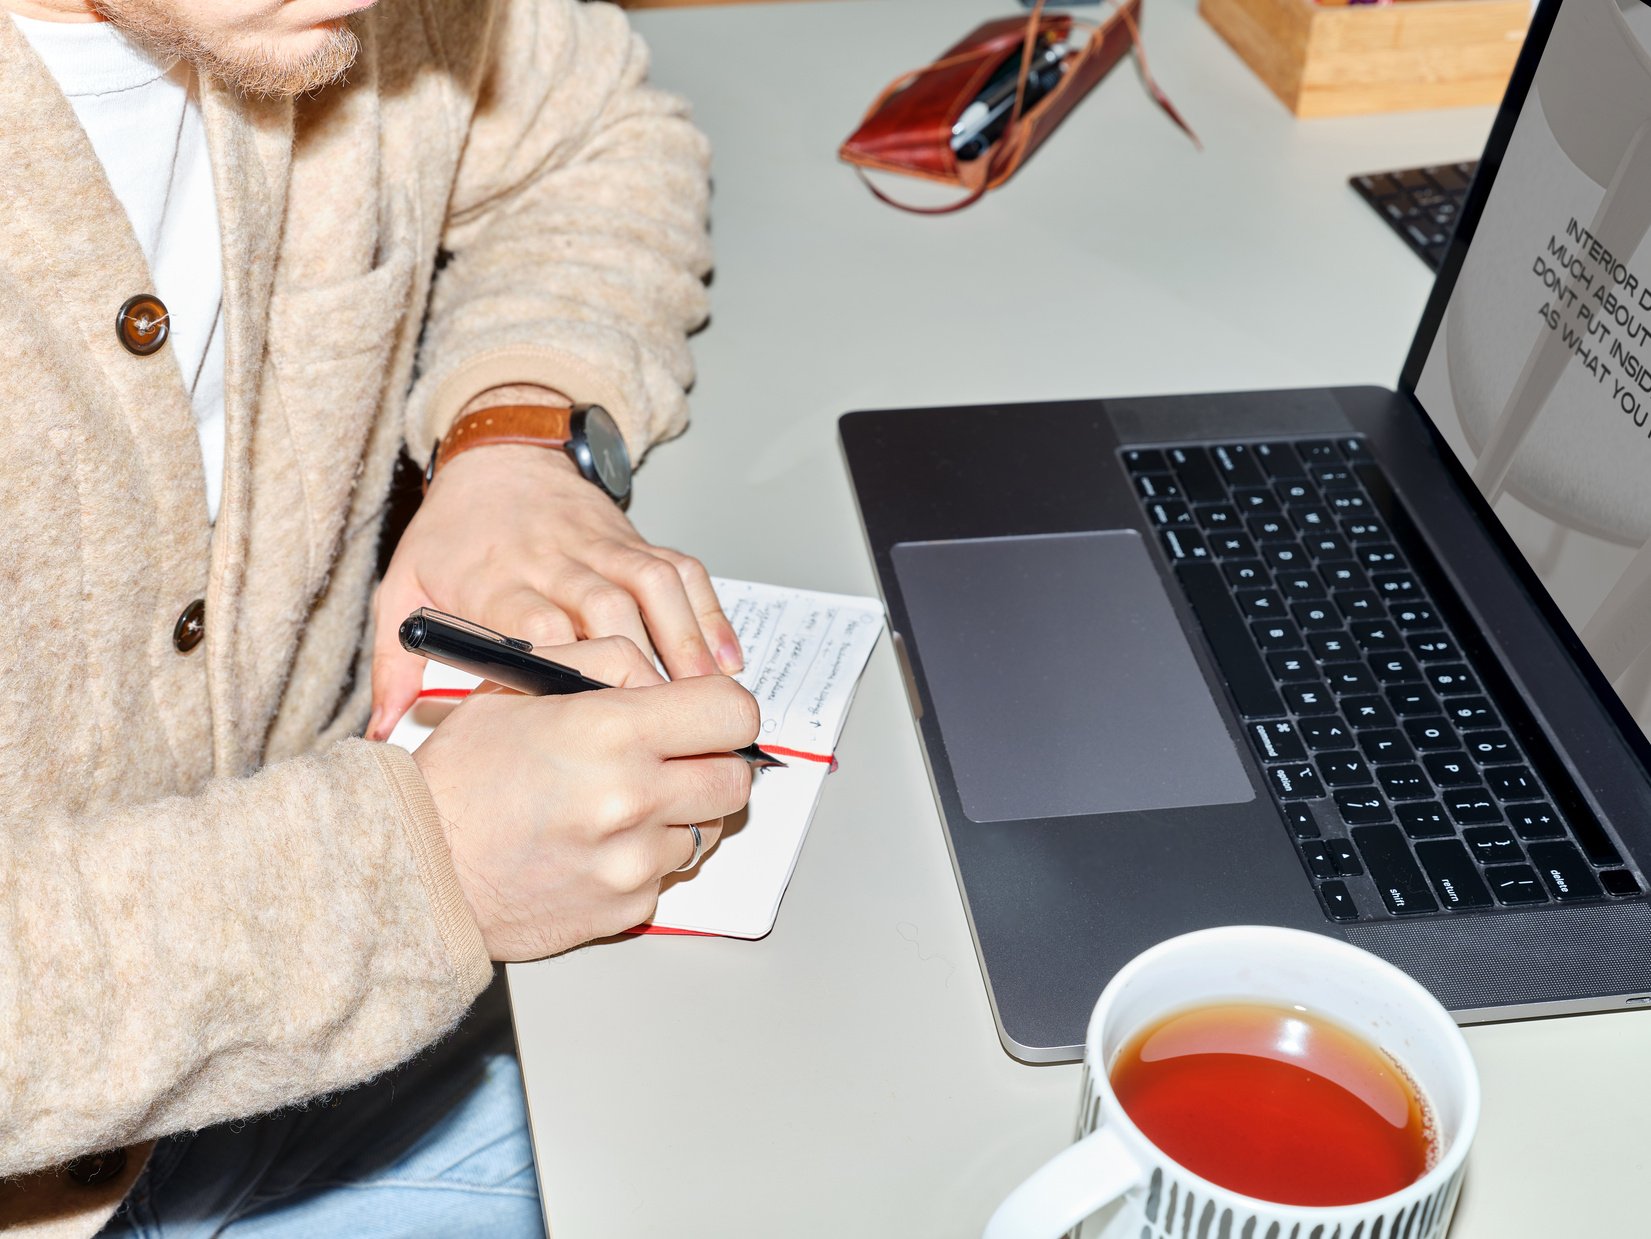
(584, 434)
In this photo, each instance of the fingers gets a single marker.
(702, 597)
(686, 718)
(523, 611)
(612, 660)
(709, 833)
(657, 585)
(602, 608)
(397, 675)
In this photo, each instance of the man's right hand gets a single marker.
(563, 813)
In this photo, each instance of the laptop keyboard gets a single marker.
(1411, 777)
(1420, 204)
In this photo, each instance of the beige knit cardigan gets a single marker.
(213, 901)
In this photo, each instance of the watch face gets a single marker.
(608, 456)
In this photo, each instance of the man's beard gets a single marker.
(251, 69)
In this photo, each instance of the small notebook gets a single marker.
(804, 652)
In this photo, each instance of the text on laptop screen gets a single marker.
(1539, 374)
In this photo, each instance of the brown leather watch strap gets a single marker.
(536, 425)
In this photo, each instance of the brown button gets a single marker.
(190, 629)
(143, 324)
(96, 1168)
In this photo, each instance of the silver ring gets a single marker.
(699, 850)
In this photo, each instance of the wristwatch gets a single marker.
(586, 432)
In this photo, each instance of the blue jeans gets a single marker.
(438, 1147)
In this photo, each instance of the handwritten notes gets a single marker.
(804, 653)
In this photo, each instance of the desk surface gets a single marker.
(842, 1077)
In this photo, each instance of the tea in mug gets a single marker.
(1276, 1103)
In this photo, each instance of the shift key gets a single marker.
(1394, 871)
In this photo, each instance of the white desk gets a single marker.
(842, 1078)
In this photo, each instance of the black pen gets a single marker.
(509, 661)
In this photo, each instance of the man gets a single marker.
(223, 316)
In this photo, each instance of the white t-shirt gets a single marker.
(144, 121)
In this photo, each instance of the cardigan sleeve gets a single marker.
(576, 229)
(172, 965)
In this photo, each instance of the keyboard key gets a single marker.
(1410, 618)
(1327, 547)
(1406, 782)
(1343, 768)
(1302, 583)
(1246, 675)
(1284, 556)
(1384, 745)
(1349, 679)
(1568, 876)
(1512, 782)
(1332, 647)
(1295, 782)
(1236, 464)
(1493, 845)
(1344, 858)
(1367, 712)
(1316, 617)
(1169, 513)
(1259, 604)
(1318, 451)
(1617, 882)
(1397, 877)
(1325, 733)
(1277, 740)
(1410, 700)
(1157, 486)
(1270, 528)
(1451, 769)
(1299, 818)
(1451, 679)
(1471, 806)
(1343, 575)
(1430, 733)
(1360, 808)
(1333, 477)
(1185, 545)
(1359, 604)
(1338, 902)
(1276, 635)
(1358, 529)
(1379, 556)
(1217, 518)
(1392, 667)
(1318, 859)
(1515, 884)
(1432, 647)
(1242, 573)
(1256, 501)
(1197, 474)
(1292, 667)
(1454, 876)
(1396, 586)
(1354, 448)
(1145, 460)
(1377, 636)
(1535, 821)
(1296, 493)
(1309, 699)
(1279, 460)
(1424, 821)
(1470, 712)
(1313, 520)
(1490, 748)
(1232, 544)
(1347, 503)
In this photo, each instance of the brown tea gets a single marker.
(1275, 1103)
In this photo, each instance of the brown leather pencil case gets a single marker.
(909, 129)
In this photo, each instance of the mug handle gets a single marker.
(1067, 1188)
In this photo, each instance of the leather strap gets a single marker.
(533, 425)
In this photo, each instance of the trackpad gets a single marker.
(1061, 679)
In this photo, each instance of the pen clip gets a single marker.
(475, 629)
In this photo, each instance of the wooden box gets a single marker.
(1328, 60)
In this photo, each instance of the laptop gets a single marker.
(1367, 663)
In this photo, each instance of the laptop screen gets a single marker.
(1534, 359)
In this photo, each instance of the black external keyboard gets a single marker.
(1420, 204)
(1411, 776)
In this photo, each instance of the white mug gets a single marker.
(1112, 1163)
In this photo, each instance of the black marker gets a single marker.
(509, 661)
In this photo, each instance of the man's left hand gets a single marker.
(513, 538)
